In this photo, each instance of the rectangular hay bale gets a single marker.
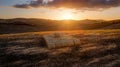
(60, 41)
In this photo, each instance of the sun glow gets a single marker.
(67, 16)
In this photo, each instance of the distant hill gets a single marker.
(115, 25)
(20, 25)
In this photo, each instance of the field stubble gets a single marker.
(97, 49)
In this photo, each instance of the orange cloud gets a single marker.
(73, 4)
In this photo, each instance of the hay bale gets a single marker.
(60, 40)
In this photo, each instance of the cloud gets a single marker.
(73, 4)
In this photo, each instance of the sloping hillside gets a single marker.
(15, 28)
(114, 26)
(20, 25)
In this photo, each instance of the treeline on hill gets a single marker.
(20, 25)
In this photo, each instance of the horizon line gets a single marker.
(61, 19)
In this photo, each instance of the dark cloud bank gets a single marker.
(74, 4)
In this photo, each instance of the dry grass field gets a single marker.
(98, 48)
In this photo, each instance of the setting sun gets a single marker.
(67, 16)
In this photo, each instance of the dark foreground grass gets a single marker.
(95, 50)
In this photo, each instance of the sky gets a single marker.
(60, 9)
